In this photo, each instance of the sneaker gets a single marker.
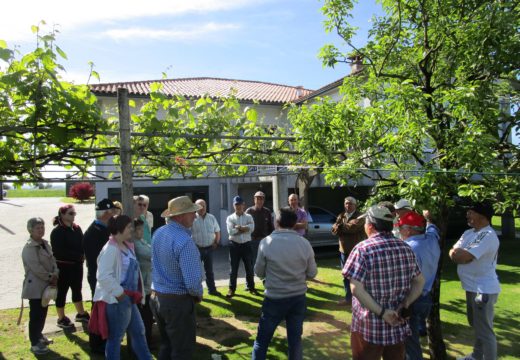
(230, 293)
(65, 323)
(45, 340)
(345, 302)
(467, 357)
(253, 292)
(39, 349)
(85, 317)
(214, 293)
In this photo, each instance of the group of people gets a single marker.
(388, 255)
(389, 277)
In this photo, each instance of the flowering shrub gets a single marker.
(81, 191)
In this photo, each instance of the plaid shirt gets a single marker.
(385, 266)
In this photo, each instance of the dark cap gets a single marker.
(483, 208)
(105, 204)
(237, 200)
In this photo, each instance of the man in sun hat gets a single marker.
(263, 221)
(423, 238)
(176, 280)
(384, 278)
(476, 255)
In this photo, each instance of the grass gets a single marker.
(496, 221)
(228, 327)
(23, 193)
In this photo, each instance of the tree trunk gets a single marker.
(303, 183)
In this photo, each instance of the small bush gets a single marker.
(81, 191)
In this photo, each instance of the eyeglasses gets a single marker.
(71, 213)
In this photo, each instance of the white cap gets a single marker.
(403, 204)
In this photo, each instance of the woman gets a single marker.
(143, 251)
(120, 286)
(40, 271)
(66, 242)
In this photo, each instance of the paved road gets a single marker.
(14, 214)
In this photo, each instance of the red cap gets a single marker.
(412, 219)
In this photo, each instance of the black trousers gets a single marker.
(71, 276)
(37, 316)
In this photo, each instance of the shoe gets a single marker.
(65, 323)
(230, 293)
(345, 302)
(39, 349)
(467, 357)
(215, 293)
(253, 292)
(46, 341)
(85, 317)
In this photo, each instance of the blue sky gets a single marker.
(265, 40)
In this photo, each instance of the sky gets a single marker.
(265, 40)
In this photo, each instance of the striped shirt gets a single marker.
(203, 230)
(175, 261)
(242, 220)
(385, 266)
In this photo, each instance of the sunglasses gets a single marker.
(71, 213)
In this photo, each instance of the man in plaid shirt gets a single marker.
(385, 280)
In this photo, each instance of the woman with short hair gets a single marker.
(41, 271)
(120, 287)
(66, 241)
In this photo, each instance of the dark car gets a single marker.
(319, 229)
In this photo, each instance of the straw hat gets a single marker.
(180, 205)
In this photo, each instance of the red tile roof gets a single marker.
(244, 90)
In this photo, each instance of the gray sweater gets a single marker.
(285, 261)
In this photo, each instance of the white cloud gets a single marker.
(17, 17)
(191, 33)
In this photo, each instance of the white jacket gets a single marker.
(108, 275)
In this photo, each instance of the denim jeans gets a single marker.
(236, 252)
(206, 256)
(124, 317)
(292, 310)
(346, 283)
(420, 311)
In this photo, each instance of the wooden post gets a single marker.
(127, 186)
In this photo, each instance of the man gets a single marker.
(425, 245)
(176, 280)
(140, 212)
(206, 234)
(240, 226)
(149, 215)
(301, 214)
(401, 208)
(476, 255)
(350, 230)
(263, 221)
(285, 261)
(384, 278)
(95, 238)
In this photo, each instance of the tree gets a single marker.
(431, 114)
(82, 191)
(43, 119)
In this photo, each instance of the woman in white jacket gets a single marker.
(120, 286)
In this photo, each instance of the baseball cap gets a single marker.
(238, 200)
(403, 204)
(483, 208)
(412, 219)
(105, 204)
(259, 194)
(378, 212)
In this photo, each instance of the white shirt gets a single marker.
(480, 274)
(203, 230)
(242, 220)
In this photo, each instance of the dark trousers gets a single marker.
(363, 350)
(242, 252)
(206, 256)
(37, 316)
(91, 278)
(346, 283)
(175, 317)
(420, 311)
(147, 316)
(71, 276)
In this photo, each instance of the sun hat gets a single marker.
(49, 294)
(412, 219)
(403, 204)
(105, 204)
(238, 200)
(378, 212)
(180, 205)
(259, 194)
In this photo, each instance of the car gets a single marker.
(319, 229)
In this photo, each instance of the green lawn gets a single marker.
(20, 193)
(228, 327)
